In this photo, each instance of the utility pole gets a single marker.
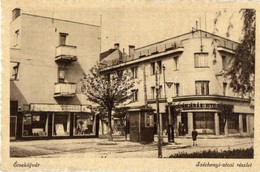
(159, 127)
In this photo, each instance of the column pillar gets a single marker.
(216, 120)
(226, 128)
(240, 123)
(190, 122)
(178, 121)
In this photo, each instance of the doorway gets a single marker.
(13, 122)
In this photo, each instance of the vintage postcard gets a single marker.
(130, 86)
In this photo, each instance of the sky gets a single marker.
(136, 23)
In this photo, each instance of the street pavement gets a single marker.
(120, 148)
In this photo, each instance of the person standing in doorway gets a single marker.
(194, 136)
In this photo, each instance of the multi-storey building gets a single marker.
(191, 72)
(48, 57)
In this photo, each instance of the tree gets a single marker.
(242, 70)
(107, 90)
(225, 112)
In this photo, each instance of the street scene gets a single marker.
(92, 83)
(120, 148)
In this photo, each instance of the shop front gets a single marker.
(46, 121)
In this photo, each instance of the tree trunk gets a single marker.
(110, 125)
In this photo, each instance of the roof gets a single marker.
(106, 53)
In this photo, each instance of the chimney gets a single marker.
(16, 13)
(131, 51)
(116, 46)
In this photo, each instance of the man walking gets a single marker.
(194, 136)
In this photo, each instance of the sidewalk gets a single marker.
(120, 148)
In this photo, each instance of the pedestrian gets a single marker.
(179, 129)
(194, 136)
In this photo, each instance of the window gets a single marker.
(176, 63)
(16, 37)
(14, 67)
(224, 62)
(83, 125)
(149, 119)
(35, 124)
(120, 73)
(63, 37)
(177, 86)
(200, 60)
(61, 124)
(202, 87)
(134, 72)
(62, 74)
(135, 95)
(204, 120)
(153, 92)
(159, 66)
(224, 88)
(156, 67)
(153, 68)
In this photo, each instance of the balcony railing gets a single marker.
(64, 89)
(66, 53)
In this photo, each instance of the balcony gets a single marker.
(64, 89)
(66, 53)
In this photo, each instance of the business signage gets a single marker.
(58, 108)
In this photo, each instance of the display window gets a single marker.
(149, 120)
(35, 124)
(61, 124)
(204, 120)
(83, 125)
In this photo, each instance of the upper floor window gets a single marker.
(16, 37)
(134, 72)
(156, 67)
(62, 74)
(63, 38)
(224, 88)
(202, 87)
(14, 70)
(201, 60)
(153, 92)
(224, 62)
(177, 87)
(176, 63)
(135, 95)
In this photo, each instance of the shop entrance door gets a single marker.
(13, 120)
(184, 121)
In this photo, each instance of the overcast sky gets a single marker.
(136, 22)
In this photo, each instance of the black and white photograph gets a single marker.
(150, 80)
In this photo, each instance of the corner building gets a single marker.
(192, 77)
(48, 57)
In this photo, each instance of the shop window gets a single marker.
(14, 67)
(83, 125)
(233, 123)
(176, 63)
(149, 119)
(61, 124)
(134, 72)
(35, 125)
(63, 38)
(204, 120)
(202, 87)
(200, 60)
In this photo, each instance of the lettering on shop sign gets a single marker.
(58, 108)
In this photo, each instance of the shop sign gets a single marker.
(58, 108)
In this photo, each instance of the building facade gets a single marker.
(193, 87)
(48, 58)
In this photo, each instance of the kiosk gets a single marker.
(141, 122)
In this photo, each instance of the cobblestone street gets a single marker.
(119, 148)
